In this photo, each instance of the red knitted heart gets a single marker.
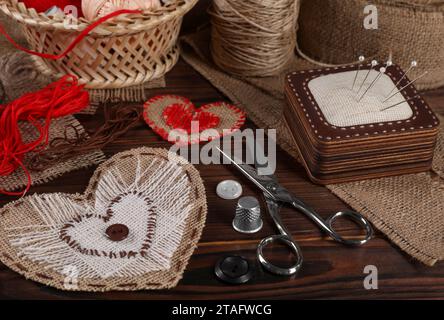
(179, 116)
(171, 116)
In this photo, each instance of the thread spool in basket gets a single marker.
(253, 37)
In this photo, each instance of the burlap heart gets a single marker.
(62, 240)
(171, 117)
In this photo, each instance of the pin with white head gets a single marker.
(389, 61)
(361, 60)
(380, 74)
(413, 65)
(408, 84)
(373, 64)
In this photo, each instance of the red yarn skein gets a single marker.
(61, 98)
(43, 5)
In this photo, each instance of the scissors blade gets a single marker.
(250, 173)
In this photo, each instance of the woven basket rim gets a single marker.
(121, 25)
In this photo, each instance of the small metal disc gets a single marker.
(229, 190)
(233, 270)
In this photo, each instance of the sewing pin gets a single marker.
(408, 84)
(413, 65)
(361, 59)
(374, 63)
(397, 104)
(381, 72)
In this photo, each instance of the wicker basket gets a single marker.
(125, 51)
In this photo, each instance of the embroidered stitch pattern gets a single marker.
(151, 224)
(157, 195)
(220, 116)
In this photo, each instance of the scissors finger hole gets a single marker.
(347, 226)
(354, 219)
(287, 264)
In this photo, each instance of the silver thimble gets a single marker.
(248, 216)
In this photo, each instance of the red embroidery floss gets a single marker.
(82, 35)
(61, 98)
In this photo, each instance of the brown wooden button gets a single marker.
(117, 232)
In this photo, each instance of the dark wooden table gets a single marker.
(330, 270)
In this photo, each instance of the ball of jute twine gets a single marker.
(253, 37)
(408, 29)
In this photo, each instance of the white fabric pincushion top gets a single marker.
(340, 106)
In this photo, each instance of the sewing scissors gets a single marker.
(275, 195)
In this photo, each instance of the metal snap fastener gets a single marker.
(233, 270)
(117, 232)
(229, 189)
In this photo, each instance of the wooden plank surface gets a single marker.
(330, 270)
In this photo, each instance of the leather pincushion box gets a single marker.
(342, 138)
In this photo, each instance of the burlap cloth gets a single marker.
(131, 94)
(408, 209)
(60, 239)
(18, 181)
(332, 32)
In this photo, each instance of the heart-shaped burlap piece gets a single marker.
(134, 228)
(177, 120)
